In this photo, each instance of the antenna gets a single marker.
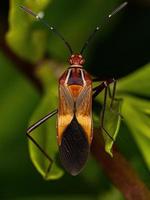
(98, 27)
(51, 28)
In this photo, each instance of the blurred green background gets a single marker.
(32, 59)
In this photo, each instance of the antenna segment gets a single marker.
(119, 8)
(51, 28)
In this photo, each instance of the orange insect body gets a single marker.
(74, 124)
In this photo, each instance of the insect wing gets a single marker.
(65, 111)
(84, 111)
(75, 143)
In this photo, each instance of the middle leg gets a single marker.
(97, 91)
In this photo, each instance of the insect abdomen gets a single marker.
(74, 148)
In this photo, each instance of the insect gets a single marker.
(74, 113)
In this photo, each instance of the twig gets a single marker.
(119, 170)
(24, 66)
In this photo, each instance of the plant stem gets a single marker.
(27, 68)
(119, 170)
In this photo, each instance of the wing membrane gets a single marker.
(84, 111)
(74, 148)
(65, 111)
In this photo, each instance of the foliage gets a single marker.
(22, 104)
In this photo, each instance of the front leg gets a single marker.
(104, 83)
(111, 94)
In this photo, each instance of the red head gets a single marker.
(76, 59)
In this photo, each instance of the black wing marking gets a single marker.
(74, 148)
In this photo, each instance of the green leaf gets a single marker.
(30, 40)
(129, 85)
(45, 135)
(25, 40)
(112, 121)
(137, 82)
(18, 98)
(17, 102)
(112, 194)
(136, 113)
(135, 110)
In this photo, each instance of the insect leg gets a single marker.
(112, 97)
(41, 121)
(34, 126)
(103, 113)
(102, 85)
(97, 90)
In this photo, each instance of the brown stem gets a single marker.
(119, 171)
(25, 67)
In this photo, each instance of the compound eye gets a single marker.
(82, 62)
